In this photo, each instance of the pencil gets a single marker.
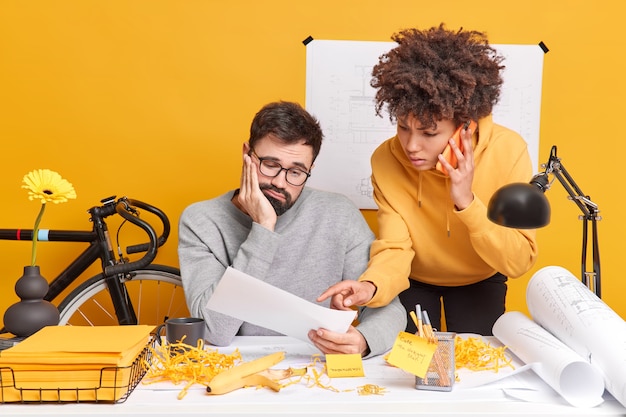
(414, 318)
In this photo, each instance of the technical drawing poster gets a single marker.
(339, 94)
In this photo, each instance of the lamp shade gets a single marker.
(520, 206)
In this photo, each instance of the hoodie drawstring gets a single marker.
(419, 191)
(448, 211)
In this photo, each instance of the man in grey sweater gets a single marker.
(273, 228)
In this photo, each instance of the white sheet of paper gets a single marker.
(249, 299)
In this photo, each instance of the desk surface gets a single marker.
(400, 398)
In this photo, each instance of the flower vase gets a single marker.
(33, 312)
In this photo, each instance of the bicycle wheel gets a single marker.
(156, 293)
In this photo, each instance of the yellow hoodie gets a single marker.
(423, 237)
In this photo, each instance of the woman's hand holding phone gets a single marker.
(448, 152)
(461, 175)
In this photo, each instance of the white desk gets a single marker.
(401, 397)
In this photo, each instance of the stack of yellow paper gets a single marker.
(72, 363)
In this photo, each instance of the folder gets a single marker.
(72, 363)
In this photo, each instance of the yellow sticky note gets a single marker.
(344, 365)
(412, 353)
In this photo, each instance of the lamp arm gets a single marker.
(556, 168)
(584, 203)
(590, 214)
(596, 258)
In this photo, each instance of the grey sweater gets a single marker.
(320, 241)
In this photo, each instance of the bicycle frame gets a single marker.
(100, 247)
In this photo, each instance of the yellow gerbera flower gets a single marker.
(48, 186)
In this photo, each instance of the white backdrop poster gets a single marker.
(339, 94)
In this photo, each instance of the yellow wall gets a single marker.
(153, 99)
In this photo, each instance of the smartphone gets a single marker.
(448, 153)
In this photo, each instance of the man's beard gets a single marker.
(279, 207)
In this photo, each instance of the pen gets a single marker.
(428, 329)
(420, 327)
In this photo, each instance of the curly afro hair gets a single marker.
(438, 74)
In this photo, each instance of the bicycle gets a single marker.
(125, 292)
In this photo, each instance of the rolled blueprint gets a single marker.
(562, 305)
(575, 379)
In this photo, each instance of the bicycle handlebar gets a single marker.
(126, 208)
(143, 247)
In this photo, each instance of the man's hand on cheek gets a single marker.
(252, 199)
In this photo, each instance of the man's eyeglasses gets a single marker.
(269, 168)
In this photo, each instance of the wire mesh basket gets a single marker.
(440, 375)
(104, 385)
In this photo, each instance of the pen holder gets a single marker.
(440, 375)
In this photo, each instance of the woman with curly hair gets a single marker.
(436, 246)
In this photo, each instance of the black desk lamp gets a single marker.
(524, 206)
